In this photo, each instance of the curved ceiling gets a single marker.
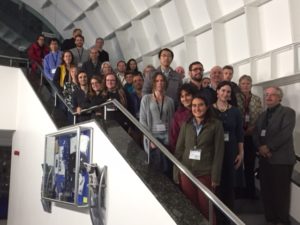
(212, 31)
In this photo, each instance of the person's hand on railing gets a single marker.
(78, 110)
(98, 113)
(152, 146)
(214, 185)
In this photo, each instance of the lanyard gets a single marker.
(55, 58)
(80, 54)
(162, 105)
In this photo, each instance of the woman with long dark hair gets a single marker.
(95, 95)
(182, 114)
(131, 65)
(112, 89)
(231, 118)
(80, 98)
(62, 73)
(200, 147)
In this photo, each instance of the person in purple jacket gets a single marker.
(185, 97)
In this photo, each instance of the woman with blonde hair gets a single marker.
(250, 107)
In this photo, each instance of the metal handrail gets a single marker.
(210, 195)
(11, 58)
(57, 92)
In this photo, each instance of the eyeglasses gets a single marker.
(165, 55)
(270, 95)
(110, 80)
(197, 69)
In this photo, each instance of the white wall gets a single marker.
(8, 98)
(291, 98)
(129, 200)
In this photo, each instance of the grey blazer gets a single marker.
(174, 83)
(279, 135)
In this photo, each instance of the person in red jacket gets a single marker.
(37, 52)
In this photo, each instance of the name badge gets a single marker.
(161, 127)
(195, 154)
(263, 133)
(79, 64)
(247, 118)
(226, 136)
(53, 71)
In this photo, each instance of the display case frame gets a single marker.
(65, 179)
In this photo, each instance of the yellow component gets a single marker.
(85, 200)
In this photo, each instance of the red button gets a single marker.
(16, 152)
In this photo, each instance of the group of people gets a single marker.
(214, 126)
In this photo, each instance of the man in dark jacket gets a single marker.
(92, 67)
(273, 136)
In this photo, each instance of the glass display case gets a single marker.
(65, 177)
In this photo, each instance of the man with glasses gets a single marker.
(273, 136)
(173, 78)
(36, 54)
(196, 73)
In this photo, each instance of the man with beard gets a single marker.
(70, 43)
(196, 73)
(80, 54)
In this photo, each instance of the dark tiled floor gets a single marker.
(251, 212)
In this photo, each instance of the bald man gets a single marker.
(215, 78)
(180, 71)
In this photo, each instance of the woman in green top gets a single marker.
(200, 147)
